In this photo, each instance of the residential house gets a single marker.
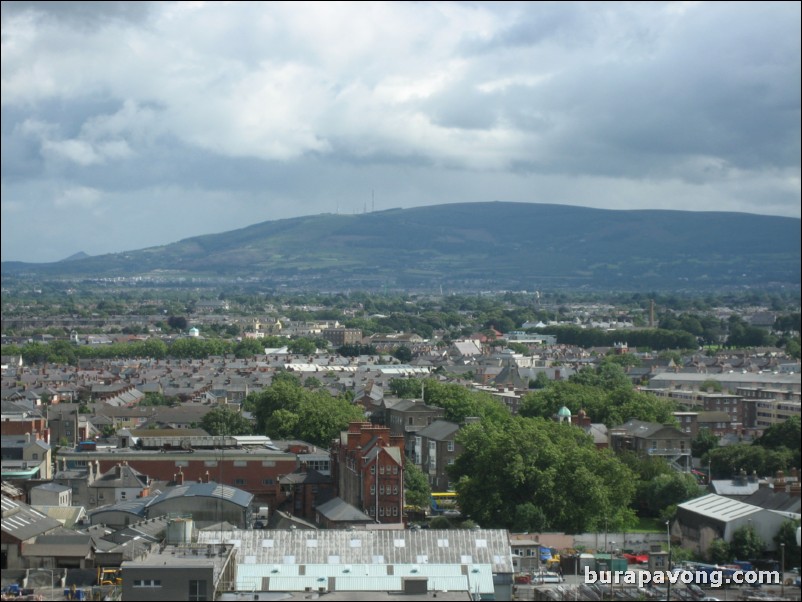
(119, 484)
(651, 439)
(435, 450)
(25, 458)
(51, 494)
(406, 417)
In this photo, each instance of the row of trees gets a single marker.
(65, 352)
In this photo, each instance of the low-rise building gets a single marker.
(181, 572)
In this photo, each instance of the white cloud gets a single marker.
(79, 197)
(261, 102)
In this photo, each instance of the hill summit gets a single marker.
(472, 246)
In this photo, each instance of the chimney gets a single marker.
(118, 470)
(179, 478)
(779, 481)
(206, 479)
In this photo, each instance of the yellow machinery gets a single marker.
(109, 577)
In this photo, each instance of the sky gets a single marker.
(127, 125)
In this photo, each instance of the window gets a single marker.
(395, 489)
(35, 456)
(197, 590)
(373, 469)
(381, 489)
(238, 482)
(372, 489)
(122, 495)
(267, 481)
(147, 583)
(395, 469)
(381, 510)
(381, 468)
(451, 446)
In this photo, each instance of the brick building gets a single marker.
(342, 336)
(368, 468)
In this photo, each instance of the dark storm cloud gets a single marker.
(81, 14)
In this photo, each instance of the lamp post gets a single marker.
(576, 572)
(668, 532)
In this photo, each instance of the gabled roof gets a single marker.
(22, 522)
(439, 430)
(719, 508)
(774, 500)
(338, 510)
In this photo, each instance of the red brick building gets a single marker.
(368, 468)
(256, 471)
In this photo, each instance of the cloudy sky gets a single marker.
(131, 124)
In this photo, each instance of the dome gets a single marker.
(564, 412)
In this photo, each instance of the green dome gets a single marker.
(564, 412)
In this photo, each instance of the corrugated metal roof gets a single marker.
(388, 583)
(330, 570)
(719, 508)
(294, 584)
(425, 546)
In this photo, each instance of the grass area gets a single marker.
(648, 525)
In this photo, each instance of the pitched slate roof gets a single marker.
(338, 510)
(439, 430)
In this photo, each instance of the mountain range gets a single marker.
(473, 246)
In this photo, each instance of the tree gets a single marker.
(156, 399)
(727, 461)
(719, 552)
(223, 420)
(536, 465)
(667, 489)
(703, 443)
(407, 388)
(607, 375)
(177, 323)
(746, 544)
(249, 348)
(322, 417)
(541, 381)
(403, 354)
(710, 386)
(787, 535)
(785, 435)
(417, 491)
(302, 346)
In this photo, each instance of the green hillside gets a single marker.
(477, 245)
